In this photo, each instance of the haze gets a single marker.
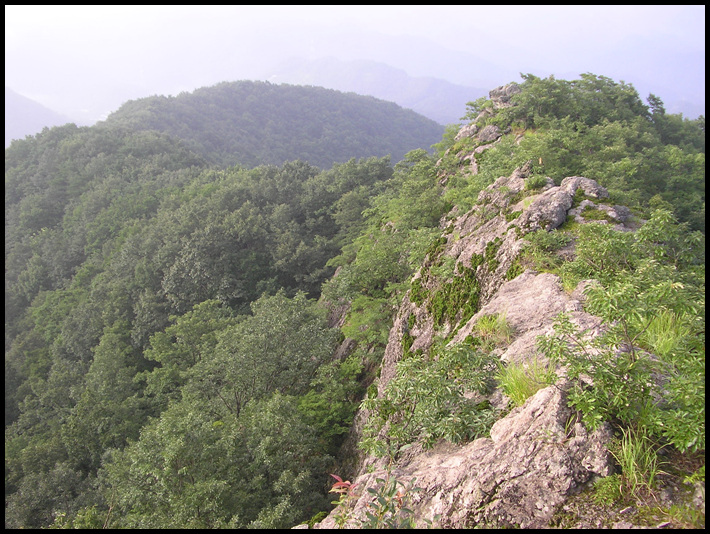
(85, 61)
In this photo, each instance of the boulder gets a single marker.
(469, 130)
(489, 133)
(536, 456)
(500, 96)
(546, 211)
(589, 186)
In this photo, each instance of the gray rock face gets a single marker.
(590, 187)
(489, 133)
(530, 303)
(547, 211)
(535, 457)
(504, 188)
(469, 130)
(538, 455)
(500, 96)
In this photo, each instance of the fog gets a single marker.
(85, 61)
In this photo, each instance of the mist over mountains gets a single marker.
(24, 116)
(85, 62)
(434, 98)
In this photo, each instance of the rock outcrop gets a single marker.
(500, 96)
(529, 303)
(534, 459)
(537, 455)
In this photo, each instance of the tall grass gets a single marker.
(636, 454)
(494, 329)
(664, 333)
(521, 381)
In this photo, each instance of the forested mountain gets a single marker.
(252, 123)
(187, 343)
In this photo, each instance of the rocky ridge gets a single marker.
(538, 456)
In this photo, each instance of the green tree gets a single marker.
(278, 348)
(111, 409)
(174, 476)
(182, 345)
(330, 406)
(287, 463)
(193, 469)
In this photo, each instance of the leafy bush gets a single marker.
(600, 129)
(426, 401)
(626, 384)
(601, 253)
(651, 295)
(618, 386)
(388, 507)
(535, 182)
(540, 253)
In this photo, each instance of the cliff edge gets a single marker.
(537, 456)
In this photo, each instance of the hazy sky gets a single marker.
(84, 61)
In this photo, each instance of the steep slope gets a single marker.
(496, 481)
(493, 284)
(253, 123)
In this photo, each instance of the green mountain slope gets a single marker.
(187, 345)
(251, 123)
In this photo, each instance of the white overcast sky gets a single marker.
(455, 26)
(51, 51)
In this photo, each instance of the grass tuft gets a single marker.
(520, 381)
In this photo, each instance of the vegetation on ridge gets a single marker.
(169, 365)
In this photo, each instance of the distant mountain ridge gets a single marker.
(253, 123)
(24, 116)
(437, 99)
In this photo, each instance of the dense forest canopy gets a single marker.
(167, 361)
(255, 123)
